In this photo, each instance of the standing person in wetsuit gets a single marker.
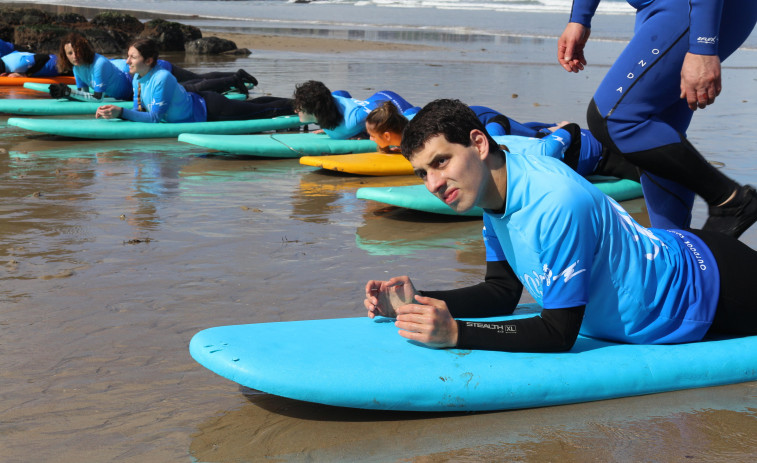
(158, 97)
(340, 116)
(643, 106)
(591, 267)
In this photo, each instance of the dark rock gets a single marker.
(170, 35)
(24, 16)
(118, 21)
(239, 51)
(41, 39)
(70, 19)
(6, 32)
(107, 41)
(209, 46)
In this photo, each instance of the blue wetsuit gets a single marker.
(354, 112)
(555, 145)
(6, 48)
(163, 100)
(535, 139)
(497, 123)
(23, 62)
(570, 246)
(637, 110)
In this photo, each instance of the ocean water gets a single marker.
(484, 16)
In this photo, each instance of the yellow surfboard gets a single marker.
(362, 163)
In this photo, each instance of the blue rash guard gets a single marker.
(639, 98)
(103, 76)
(354, 112)
(6, 48)
(164, 100)
(570, 245)
(21, 61)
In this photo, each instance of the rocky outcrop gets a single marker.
(170, 36)
(109, 32)
(210, 46)
(113, 20)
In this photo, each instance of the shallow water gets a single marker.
(113, 254)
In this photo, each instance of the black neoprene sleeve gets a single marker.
(497, 295)
(554, 330)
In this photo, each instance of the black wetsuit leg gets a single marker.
(221, 108)
(736, 312)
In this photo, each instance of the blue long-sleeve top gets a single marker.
(704, 19)
(164, 100)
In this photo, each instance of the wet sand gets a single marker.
(113, 254)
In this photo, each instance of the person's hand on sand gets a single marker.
(384, 297)
(108, 111)
(428, 321)
(700, 80)
(570, 47)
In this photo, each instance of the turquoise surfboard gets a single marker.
(364, 363)
(292, 145)
(119, 129)
(64, 106)
(418, 198)
(55, 107)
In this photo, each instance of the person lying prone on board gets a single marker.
(158, 97)
(111, 77)
(566, 141)
(7, 48)
(593, 269)
(25, 64)
(340, 116)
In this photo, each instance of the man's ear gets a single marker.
(479, 140)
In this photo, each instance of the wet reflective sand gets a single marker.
(113, 254)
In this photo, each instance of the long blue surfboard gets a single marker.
(364, 363)
(293, 145)
(119, 129)
(417, 197)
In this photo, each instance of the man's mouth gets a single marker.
(450, 196)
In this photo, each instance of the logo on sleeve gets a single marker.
(535, 282)
(707, 40)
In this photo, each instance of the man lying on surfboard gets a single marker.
(582, 257)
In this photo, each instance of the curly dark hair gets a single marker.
(387, 118)
(451, 118)
(82, 48)
(313, 97)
